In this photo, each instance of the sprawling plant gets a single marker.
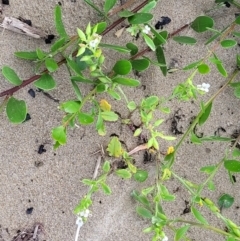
(83, 55)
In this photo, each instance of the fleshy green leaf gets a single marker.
(133, 48)
(85, 118)
(201, 23)
(122, 67)
(11, 76)
(114, 147)
(109, 4)
(109, 116)
(192, 65)
(106, 189)
(58, 44)
(118, 48)
(203, 69)
(148, 7)
(232, 165)
(185, 40)
(141, 175)
(228, 43)
(125, 14)
(143, 212)
(70, 106)
(59, 134)
(149, 42)
(58, 22)
(208, 169)
(180, 233)
(126, 81)
(106, 166)
(45, 82)
(16, 110)
(32, 55)
(139, 18)
(76, 90)
(198, 215)
(101, 27)
(131, 105)
(205, 115)
(161, 60)
(140, 64)
(51, 65)
(123, 173)
(225, 201)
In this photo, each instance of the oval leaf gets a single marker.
(11, 76)
(109, 4)
(185, 40)
(85, 119)
(198, 215)
(26, 55)
(70, 106)
(149, 42)
(161, 60)
(225, 201)
(109, 116)
(51, 65)
(140, 64)
(123, 173)
(205, 115)
(122, 67)
(141, 175)
(180, 233)
(232, 165)
(45, 82)
(133, 48)
(145, 213)
(16, 110)
(139, 18)
(228, 43)
(201, 23)
(203, 68)
(126, 81)
(59, 135)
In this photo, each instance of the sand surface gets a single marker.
(53, 189)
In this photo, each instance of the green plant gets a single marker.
(84, 58)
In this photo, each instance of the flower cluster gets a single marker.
(81, 217)
(146, 29)
(204, 87)
(95, 41)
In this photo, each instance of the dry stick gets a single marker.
(124, 6)
(32, 79)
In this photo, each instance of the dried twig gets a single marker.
(17, 26)
(124, 6)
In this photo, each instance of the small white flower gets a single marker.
(146, 29)
(165, 238)
(204, 87)
(79, 221)
(84, 213)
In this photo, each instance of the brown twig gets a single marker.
(124, 6)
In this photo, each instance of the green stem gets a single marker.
(201, 112)
(208, 227)
(236, 4)
(85, 99)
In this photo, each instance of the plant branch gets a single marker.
(11, 91)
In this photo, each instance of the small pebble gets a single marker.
(41, 149)
(164, 21)
(6, 2)
(28, 117)
(32, 93)
(29, 210)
